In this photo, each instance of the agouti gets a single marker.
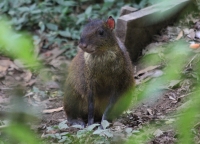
(100, 79)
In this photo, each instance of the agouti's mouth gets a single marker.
(88, 51)
(86, 48)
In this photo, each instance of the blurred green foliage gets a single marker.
(17, 45)
(59, 22)
(175, 57)
(21, 133)
(56, 22)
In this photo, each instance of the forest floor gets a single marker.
(43, 91)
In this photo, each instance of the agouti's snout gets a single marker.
(82, 45)
(86, 47)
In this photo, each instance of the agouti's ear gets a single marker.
(110, 22)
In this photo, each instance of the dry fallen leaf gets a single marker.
(173, 31)
(52, 85)
(170, 121)
(150, 111)
(4, 100)
(186, 31)
(50, 55)
(163, 38)
(157, 73)
(150, 68)
(31, 82)
(153, 48)
(3, 69)
(158, 133)
(194, 45)
(146, 74)
(19, 63)
(57, 62)
(27, 76)
(5, 63)
(173, 83)
(118, 124)
(8, 64)
(171, 98)
(53, 110)
(180, 35)
(191, 34)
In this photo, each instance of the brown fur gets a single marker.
(107, 68)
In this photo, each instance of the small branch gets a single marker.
(52, 110)
(191, 60)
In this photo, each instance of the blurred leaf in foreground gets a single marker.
(17, 45)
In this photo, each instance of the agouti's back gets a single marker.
(100, 76)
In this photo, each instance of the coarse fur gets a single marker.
(102, 70)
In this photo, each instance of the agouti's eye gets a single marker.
(101, 32)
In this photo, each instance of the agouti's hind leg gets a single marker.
(74, 109)
(74, 117)
(76, 122)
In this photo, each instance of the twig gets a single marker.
(185, 95)
(191, 60)
(6, 88)
(189, 94)
(53, 110)
(197, 124)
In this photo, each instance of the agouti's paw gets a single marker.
(77, 122)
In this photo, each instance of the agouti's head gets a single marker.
(98, 36)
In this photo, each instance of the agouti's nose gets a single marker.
(82, 45)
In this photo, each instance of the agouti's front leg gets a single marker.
(108, 109)
(90, 107)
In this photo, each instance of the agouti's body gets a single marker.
(100, 76)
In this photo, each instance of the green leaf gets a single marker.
(66, 3)
(105, 124)
(52, 27)
(80, 20)
(19, 47)
(81, 133)
(98, 131)
(63, 139)
(36, 11)
(64, 133)
(88, 11)
(108, 134)
(21, 20)
(91, 127)
(63, 125)
(78, 126)
(42, 26)
(111, 1)
(32, 7)
(64, 33)
(23, 9)
(11, 12)
(22, 133)
(174, 83)
(128, 130)
(35, 89)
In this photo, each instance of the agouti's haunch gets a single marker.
(100, 77)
